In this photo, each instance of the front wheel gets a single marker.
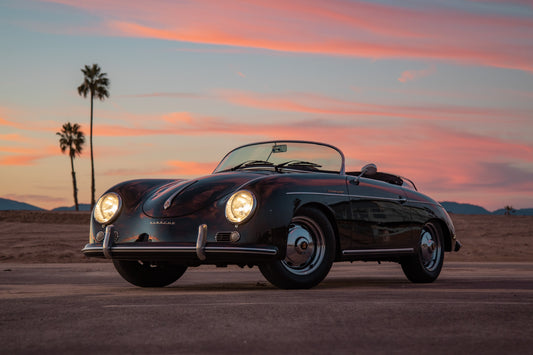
(145, 274)
(309, 255)
(426, 264)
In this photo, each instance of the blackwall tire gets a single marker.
(144, 274)
(309, 255)
(426, 264)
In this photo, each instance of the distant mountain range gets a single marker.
(81, 206)
(466, 208)
(451, 207)
(6, 204)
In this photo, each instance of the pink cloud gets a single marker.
(335, 27)
(410, 75)
(321, 104)
(180, 95)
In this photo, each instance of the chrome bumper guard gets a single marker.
(106, 246)
(200, 241)
(200, 249)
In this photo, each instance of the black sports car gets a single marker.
(288, 207)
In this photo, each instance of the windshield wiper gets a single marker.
(299, 164)
(251, 163)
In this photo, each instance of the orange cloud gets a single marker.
(189, 168)
(44, 126)
(13, 137)
(7, 123)
(175, 168)
(19, 160)
(336, 27)
(25, 156)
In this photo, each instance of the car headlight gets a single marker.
(240, 206)
(107, 208)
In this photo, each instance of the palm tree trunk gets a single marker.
(74, 184)
(92, 158)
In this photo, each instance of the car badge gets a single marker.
(163, 222)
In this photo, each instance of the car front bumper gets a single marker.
(200, 252)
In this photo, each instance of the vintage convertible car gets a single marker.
(288, 207)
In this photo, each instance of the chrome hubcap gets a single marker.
(430, 251)
(305, 246)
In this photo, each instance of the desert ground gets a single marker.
(54, 300)
(58, 237)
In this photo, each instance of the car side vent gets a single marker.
(227, 236)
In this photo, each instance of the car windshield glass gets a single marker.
(284, 155)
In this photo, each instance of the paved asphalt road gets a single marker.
(361, 308)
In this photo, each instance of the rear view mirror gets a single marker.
(279, 148)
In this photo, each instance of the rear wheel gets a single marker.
(309, 255)
(426, 264)
(145, 274)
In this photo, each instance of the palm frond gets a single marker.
(71, 138)
(95, 83)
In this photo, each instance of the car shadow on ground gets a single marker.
(384, 283)
(343, 283)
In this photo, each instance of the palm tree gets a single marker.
(72, 138)
(96, 84)
(508, 210)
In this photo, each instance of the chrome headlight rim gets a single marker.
(97, 213)
(230, 215)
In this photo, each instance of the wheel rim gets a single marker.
(305, 246)
(430, 249)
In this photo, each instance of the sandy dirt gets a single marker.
(58, 237)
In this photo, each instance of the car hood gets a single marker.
(183, 197)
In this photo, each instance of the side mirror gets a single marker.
(369, 170)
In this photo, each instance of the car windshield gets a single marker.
(285, 155)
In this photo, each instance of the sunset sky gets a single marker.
(440, 91)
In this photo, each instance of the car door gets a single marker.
(380, 219)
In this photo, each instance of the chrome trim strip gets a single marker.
(183, 249)
(378, 251)
(238, 250)
(106, 245)
(200, 242)
(402, 199)
(347, 195)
